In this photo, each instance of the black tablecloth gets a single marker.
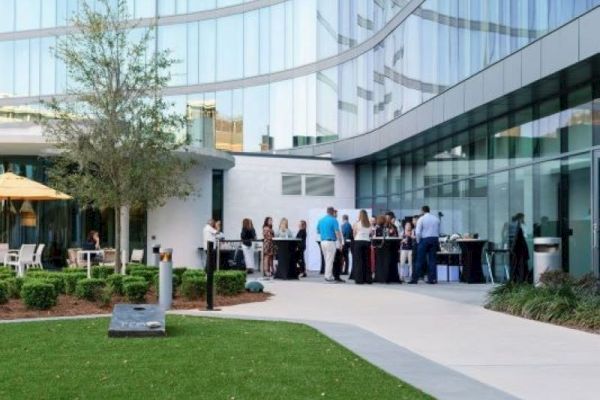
(386, 260)
(286, 250)
(471, 260)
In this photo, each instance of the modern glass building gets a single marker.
(480, 108)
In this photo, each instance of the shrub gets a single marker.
(136, 291)
(56, 279)
(102, 271)
(106, 296)
(135, 267)
(229, 283)
(587, 313)
(90, 289)
(6, 270)
(555, 279)
(190, 273)
(193, 287)
(3, 292)
(36, 274)
(147, 273)
(71, 278)
(38, 294)
(13, 287)
(115, 283)
(179, 272)
(128, 279)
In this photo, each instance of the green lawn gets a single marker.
(201, 358)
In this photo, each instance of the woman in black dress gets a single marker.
(361, 260)
(301, 248)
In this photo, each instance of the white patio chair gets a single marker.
(37, 257)
(137, 256)
(22, 259)
(3, 253)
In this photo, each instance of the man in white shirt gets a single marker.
(209, 234)
(428, 242)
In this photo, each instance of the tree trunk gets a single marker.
(125, 251)
(117, 239)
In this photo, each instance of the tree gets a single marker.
(119, 142)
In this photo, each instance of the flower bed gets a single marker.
(560, 300)
(68, 293)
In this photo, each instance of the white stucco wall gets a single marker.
(179, 223)
(253, 190)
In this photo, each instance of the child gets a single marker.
(407, 244)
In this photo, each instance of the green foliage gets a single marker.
(4, 292)
(128, 279)
(179, 272)
(193, 287)
(560, 300)
(102, 271)
(71, 278)
(135, 291)
(229, 283)
(176, 282)
(106, 296)
(147, 274)
(13, 287)
(6, 272)
(90, 289)
(189, 273)
(57, 280)
(115, 283)
(36, 273)
(38, 294)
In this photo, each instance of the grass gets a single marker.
(202, 358)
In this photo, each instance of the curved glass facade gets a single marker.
(440, 44)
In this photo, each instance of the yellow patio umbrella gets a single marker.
(15, 187)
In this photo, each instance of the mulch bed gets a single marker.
(72, 306)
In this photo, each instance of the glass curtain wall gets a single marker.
(441, 43)
(535, 161)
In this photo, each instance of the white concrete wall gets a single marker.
(253, 190)
(179, 223)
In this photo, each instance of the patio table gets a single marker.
(88, 254)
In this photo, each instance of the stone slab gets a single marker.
(132, 320)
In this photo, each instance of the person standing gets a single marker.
(361, 269)
(348, 237)
(248, 235)
(301, 248)
(329, 231)
(427, 234)
(209, 234)
(284, 231)
(407, 244)
(268, 249)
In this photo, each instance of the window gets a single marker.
(291, 185)
(320, 185)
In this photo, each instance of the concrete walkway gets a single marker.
(443, 331)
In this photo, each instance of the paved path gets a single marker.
(442, 330)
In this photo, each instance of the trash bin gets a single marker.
(156, 255)
(546, 256)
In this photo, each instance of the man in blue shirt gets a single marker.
(348, 238)
(428, 236)
(329, 232)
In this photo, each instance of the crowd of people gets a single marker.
(350, 249)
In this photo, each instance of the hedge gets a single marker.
(229, 283)
(3, 292)
(176, 282)
(71, 278)
(38, 294)
(179, 272)
(193, 287)
(57, 280)
(147, 273)
(129, 279)
(90, 289)
(192, 273)
(135, 291)
(102, 271)
(115, 283)
(13, 286)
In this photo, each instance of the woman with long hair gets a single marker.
(361, 271)
(248, 235)
(268, 235)
(284, 231)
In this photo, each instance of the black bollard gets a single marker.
(210, 277)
